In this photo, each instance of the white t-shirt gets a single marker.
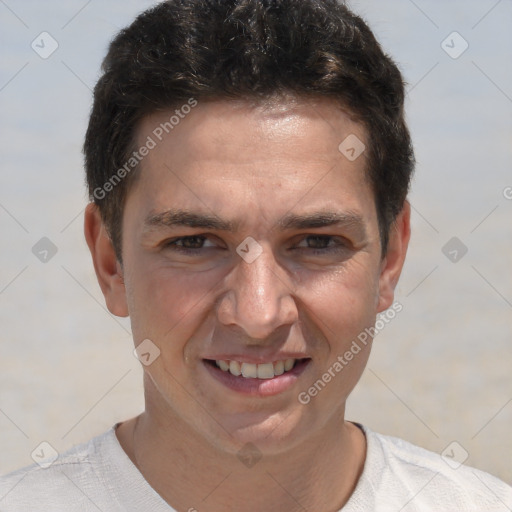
(397, 476)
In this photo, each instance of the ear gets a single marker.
(108, 269)
(393, 262)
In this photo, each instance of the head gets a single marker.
(181, 52)
(226, 122)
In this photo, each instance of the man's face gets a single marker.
(302, 287)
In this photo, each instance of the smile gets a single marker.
(256, 371)
(257, 379)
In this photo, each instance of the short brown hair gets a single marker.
(254, 49)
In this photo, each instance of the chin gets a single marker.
(271, 434)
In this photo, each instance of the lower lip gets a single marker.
(258, 387)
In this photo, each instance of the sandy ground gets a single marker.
(439, 372)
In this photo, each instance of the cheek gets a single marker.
(166, 304)
(343, 307)
(345, 300)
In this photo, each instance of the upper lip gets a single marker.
(254, 359)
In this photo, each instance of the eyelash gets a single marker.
(172, 244)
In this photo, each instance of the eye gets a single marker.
(321, 244)
(188, 244)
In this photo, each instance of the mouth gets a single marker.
(263, 379)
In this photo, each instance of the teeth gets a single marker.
(234, 368)
(249, 370)
(278, 368)
(265, 371)
(223, 365)
(260, 371)
(288, 364)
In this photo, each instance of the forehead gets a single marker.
(236, 130)
(276, 156)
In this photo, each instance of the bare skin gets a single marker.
(308, 295)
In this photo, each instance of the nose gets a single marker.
(259, 298)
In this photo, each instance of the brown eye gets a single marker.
(188, 244)
(320, 244)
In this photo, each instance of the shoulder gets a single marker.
(418, 479)
(69, 483)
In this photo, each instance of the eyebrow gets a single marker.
(322, 219)
(178, 217)
(172, 218)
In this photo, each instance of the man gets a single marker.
(248, 164)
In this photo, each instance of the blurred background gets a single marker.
(440, 372)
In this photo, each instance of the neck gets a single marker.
(189, 473)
